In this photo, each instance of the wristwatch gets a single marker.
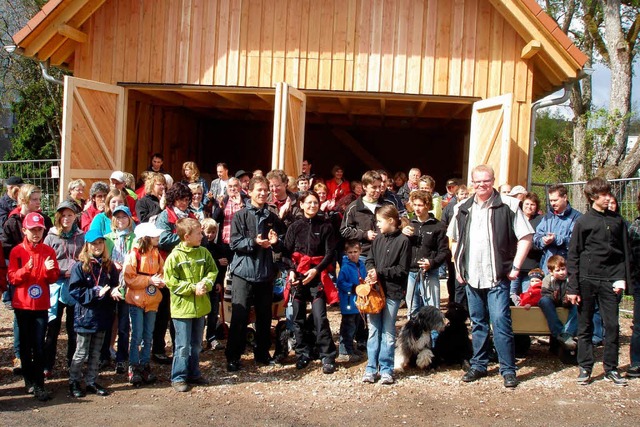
(514, 268)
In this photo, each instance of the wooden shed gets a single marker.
(437, 84)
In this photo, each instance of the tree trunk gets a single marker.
(620, 58)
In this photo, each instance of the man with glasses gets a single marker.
(491, 238)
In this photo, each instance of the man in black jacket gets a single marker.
(491, 238)
(255, 232)
(599, 271)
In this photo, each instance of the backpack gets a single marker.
(369, 298)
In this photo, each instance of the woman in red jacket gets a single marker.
(32, 268)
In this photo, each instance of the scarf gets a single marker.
(69, 234)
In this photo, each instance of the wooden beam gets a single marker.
(72, 33)
(63, 52)
(234, 98)
(268, 98)
(347, 107)
(51, 28)
(356, 148)
(531, 49)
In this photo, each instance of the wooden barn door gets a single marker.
(490, 138)
(288, 129)
(92, 131)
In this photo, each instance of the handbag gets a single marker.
(369, 298)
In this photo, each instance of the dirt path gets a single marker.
(284, 396)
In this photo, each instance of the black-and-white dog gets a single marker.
(453, 346)
(413, 344)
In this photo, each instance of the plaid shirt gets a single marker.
(230, 210)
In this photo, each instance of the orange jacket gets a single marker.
(138, 268)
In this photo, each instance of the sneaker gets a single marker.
(135, 376)
(233, 366)
(633, 372)
(48, 374)
(369, 377)
(17, 366)
(357, 352)
(75, 390)
(303, 362)
(103, 364)
(567, 341)
(349, 358)
(97, 389)
(584, 377)
(615, 378)
(386, 379)
(473, 375)
(217, 345)
(328, 368)
(148, 377)
(41, 394)
(180, 386)
(30, 388)
(510, 380)
(121, 367)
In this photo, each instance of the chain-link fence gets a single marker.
(624, 190)
(43, 173)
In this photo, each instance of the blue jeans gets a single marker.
(598, 329)
(186, 358)
(423, 288)
(548, 307)
(635, 335)
(521, 284)
(347, 333)
(16, 337)
(487, 305)
(381, 344)
(142, 325)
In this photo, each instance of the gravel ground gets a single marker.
(284, 396)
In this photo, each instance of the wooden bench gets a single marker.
(532, 321)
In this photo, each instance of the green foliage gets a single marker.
(552, 152)
(36, 133)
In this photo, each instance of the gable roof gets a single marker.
(55, 32)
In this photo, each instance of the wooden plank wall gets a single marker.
(429, 47)
(424, 47)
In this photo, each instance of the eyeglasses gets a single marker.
(485, 182)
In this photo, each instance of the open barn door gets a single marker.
(490, 139)
(288, 129)
(92, 131)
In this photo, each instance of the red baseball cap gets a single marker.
(33, 220)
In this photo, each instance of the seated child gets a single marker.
(554, 294)
(533, 294)
(351, 272)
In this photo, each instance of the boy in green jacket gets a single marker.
(190, 273)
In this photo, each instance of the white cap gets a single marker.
(146, 229)
(518, 189)
(118, 176)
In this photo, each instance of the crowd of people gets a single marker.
(137, 258)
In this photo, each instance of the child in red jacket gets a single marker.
(33, 266)
(534, 293)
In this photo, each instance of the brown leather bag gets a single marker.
(369, 298)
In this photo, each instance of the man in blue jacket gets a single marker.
(554, 231)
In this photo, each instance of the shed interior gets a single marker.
(358, 131)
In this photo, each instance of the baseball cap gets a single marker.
(452, 181)
(66, 205)
(146, 229)
(13, 180)
(33, 220)
(518, 189)
(93, 235)
(118, 176)
(122, 208)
